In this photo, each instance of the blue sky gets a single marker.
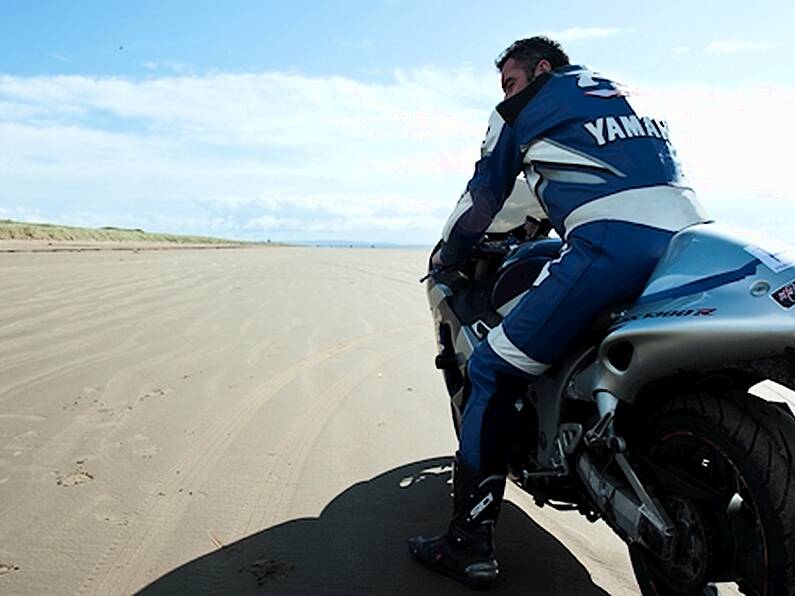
(356, 120)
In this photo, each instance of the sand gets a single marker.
(7, 246)
(241, 421)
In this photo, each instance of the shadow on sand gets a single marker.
(358, 544)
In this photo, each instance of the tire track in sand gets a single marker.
(270, 500)
(117, 569)
(273, 501)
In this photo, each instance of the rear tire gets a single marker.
(744, 446)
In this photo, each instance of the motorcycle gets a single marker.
(655, 422)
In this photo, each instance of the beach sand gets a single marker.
(241, 421)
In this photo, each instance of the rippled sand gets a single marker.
(240, 421)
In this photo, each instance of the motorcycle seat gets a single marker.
(521, 268)
(548, 247)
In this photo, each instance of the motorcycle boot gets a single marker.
(465, 551)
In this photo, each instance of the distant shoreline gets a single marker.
(55, 246)
(44, 246)
(16, 236)
(25, 231)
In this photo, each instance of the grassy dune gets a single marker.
(15, 230)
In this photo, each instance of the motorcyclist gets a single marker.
(610, 184)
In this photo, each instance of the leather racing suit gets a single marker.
(610, 183)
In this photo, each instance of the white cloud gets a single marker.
(304, 156)
(681, 50)
(336, 149)
(734, 47)
(271, 109)
(177, 67)
(581, 33)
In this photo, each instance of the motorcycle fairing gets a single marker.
(708, 302)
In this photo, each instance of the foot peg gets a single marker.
(445, 360)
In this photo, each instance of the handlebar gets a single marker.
(491, 247)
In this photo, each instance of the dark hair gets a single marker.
(529, 52)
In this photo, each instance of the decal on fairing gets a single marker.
(785, 295)
(685, 312)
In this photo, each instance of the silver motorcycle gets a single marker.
(671, 419)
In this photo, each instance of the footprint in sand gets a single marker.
(72, 405)
(74, 479)
(88, 393)
(147, 452)
(157, 392)
(112, 518)
(268, 569)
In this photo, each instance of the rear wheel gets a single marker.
(731, 497)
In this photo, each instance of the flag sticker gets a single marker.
(785, 296)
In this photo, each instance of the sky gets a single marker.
(358, 120)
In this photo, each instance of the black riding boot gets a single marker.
(465, 551)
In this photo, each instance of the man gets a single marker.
(610, 184)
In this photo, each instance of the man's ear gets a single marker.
(542, 67)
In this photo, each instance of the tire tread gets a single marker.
(761, 438)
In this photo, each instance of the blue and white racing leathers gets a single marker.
(610, 184)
